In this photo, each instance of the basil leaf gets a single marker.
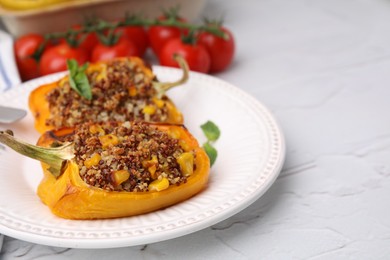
(84, 67)
(78, 80)
(211, 131)
(83, 85)
(72, 67)
(211, 152)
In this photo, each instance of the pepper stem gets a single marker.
(163, 87)
(57, 158)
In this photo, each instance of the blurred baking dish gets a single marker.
(42, 16)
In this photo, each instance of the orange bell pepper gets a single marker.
(68, 196)
(41, 110)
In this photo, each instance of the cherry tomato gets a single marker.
(87, 41)
(221, 50)
(122, 48)
(196, 55)
(160, 35)
(54, 59)
(24, 47)
(136, 34)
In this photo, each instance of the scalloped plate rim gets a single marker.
(162, 235)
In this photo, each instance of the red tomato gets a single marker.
(24, 47)
(54, 59)
(122, 48)
(196, 55)
(136, 34)
(88, 41)
(160, 35)
(221, 51)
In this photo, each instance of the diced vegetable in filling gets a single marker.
(122, 90)
(132, 157)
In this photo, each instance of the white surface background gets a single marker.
(322, 67)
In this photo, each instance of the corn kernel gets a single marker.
(151, 165)
(159, 184)
(132, 91)
(152, 170)
(149, 110)
(93, 160)
(101, 76)
(100, 68)
(159, 102)
(108, 140)
(184, 145)
(63, 81)
(174, 133)
(186, 163)
(94, 129)
(120, 176)
(150, 162)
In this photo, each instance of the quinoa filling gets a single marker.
(121, 91)
(132, 157)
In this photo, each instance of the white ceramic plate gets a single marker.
(251, 153)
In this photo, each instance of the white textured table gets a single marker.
(323, 68)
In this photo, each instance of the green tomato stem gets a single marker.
(102, 25)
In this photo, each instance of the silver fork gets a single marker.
(1, 241)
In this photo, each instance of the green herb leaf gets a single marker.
(78, 80)
(211, 152)
(211, 131)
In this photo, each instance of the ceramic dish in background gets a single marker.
(60, 16)
(251, 153)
